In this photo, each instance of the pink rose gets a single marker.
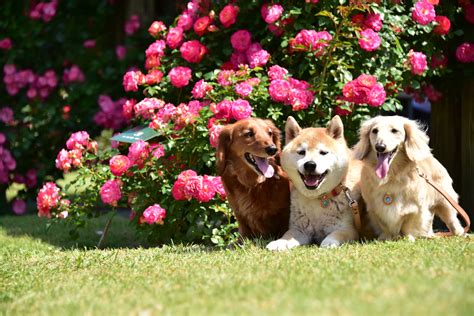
(180, 76)
(138, 153)
(5, 43)
(256, 55)
(157, 48)
(174, 37)
(63, 161)
(119, 164)
(157, 150)
(47, 199)
(432, 94)
(127, 109)
(218, 186)
(214, 132)
(271, 12)
(153, 77)
(222, 109)
(423, 12)
(201, 25)
(228, 15)
(178, 190)
(192, 51)
(185, 21)
(156, 28)
(201, 88)
(369, 40)
(6, 115)
(279, 90)
(465, 53)
(132, 25)
(417, 62)
(110, 192)
(154, 214)
(307, 40)
(241, 40)
(241, 109)
(373, 21)
(243, 89)
(19, 207)
(78, 140)
(207, 190)
(120, 52)
(224, 78)
(89, 44)
(277, 72)
(132, 79)
(364, 90)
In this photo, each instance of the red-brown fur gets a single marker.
(261, 205)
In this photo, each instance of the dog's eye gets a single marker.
(250, 133)
(394, 131)
(323, 152)
(301, 152)
(270, 132)
(375, 131)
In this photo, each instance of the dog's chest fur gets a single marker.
(309, 217)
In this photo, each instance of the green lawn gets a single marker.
(42, 273)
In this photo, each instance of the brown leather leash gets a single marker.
(451, 201)
(354, 207)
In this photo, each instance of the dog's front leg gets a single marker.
(291, 239)
(338, 237)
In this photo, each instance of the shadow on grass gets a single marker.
(121, 233)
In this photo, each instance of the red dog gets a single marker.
(257, 189)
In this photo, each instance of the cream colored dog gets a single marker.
(317, 162)
(399, 202)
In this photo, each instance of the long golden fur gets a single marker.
(399, 202)
(259, 199)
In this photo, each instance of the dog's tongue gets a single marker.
(311, 181)
(264, 167)
(381, 169)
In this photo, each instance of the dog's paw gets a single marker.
(280, 245)
(330, 242)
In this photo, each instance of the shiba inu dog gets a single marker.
(321, 169)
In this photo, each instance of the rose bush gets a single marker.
(58, 75)
(218, 63)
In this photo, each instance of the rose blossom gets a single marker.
(119, 164)
(373, 21)
(180, 76)
(185, 21)
(465, 53)
(279, 90)
(78, 140)
(6, 115)
(256, 55)
(224, 78)
(214, 132)
(120, 52)
(48, 198)
(241, 109)
(157, 150)
(218, 186)
(364, 90)
(228, 15)
(132, 25)
(369, 40)
(19, 207)
(63, 161)
(154, 214)
(417, 62)
(277, 72)
(192, 51)
(423, 12)
(178, 187)
(201, 25)
(5, 43)
(174, 37)
(222, 109)
(271, 12)
(243, 89)
(200, 89)
(443, 25)
(207, 190)
(153, 77)
(132, 79)
(138, 153)
(241, 40)
(156, 48)
(110, 192)
(156, 28)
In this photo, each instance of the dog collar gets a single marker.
(325, 199)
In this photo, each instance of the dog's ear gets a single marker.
(292, 129)
(225, 139)
(335, 128)
(416, 142)
(362, 148)
(276, 134)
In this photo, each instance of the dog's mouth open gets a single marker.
(383, 163)
(313, 181)
(261, 165)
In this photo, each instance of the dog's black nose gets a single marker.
(380, 148)
(309, 166)
(271, 150)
